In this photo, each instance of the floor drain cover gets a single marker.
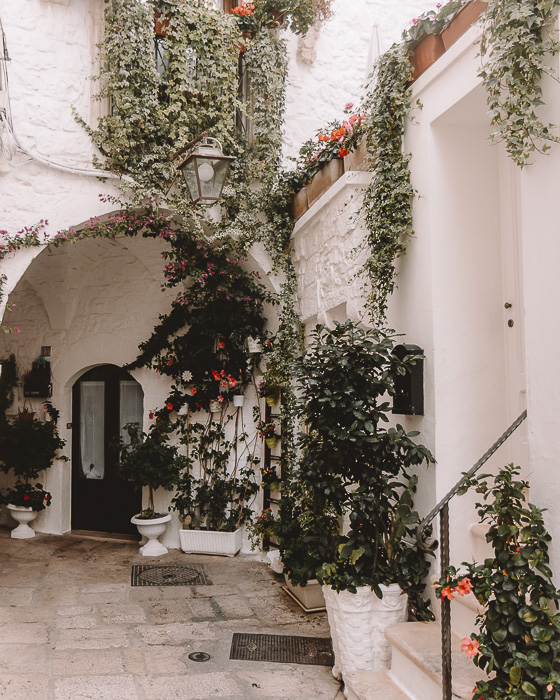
(169, 575)
(282, 649)
(199, 656)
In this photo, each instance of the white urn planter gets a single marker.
(238, 400)
(358, 621)
(152, 529)
(225, 544)
(23, 516)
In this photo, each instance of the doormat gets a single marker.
(169, 575)
(282, 649)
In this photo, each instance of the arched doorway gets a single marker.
(104, 400)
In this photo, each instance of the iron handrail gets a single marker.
(430, 545)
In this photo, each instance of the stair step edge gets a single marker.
(420, 642)
(372, 685)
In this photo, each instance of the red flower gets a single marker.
(47, 498)
(193, 390)
(447, 593)
(464, 587)
(169, 406)
(26, 497)
(221, 345)
(342, 152)
(169, 363)
(151, 415)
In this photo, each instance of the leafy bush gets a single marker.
(351, 464)
(519, 636)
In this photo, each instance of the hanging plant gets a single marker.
(387, 205)
(516, 40)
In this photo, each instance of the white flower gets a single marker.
(187, 376)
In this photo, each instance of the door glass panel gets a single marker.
(131, 405)
(92, 429)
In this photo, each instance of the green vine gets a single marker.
(516, 39)
(387, 205)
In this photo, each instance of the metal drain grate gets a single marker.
(169, 575)
(282, 649)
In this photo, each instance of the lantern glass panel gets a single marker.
(189, 173)
(212, 174)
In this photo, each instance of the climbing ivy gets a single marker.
(387, 205)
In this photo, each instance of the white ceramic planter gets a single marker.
(23, 516)
(358, 621)
(310, 597)
(238, 400)
(226, 544)
(152, 529)
(254, 346)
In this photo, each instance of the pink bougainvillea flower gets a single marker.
(16, 329)
(470, 647)
(549, 688)
(464, 587)
(415, 21)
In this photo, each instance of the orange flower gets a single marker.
(447, 593)
(464, 587)
(470, 647)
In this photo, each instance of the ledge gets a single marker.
(354, 178)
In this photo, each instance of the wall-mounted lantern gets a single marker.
(205, 171)
(409, 388)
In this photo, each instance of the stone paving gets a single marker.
(72, 627)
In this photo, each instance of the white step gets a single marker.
(416, 663)
(372, 685)
(481, 549)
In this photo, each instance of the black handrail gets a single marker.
(430, 545)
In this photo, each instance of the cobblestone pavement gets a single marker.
(73, 627)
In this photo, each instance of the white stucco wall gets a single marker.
(346, 48)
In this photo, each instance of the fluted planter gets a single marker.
(152, 529)
(357, 622)
(23, 516)
(225, 544)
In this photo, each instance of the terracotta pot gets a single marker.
(26, 416)
(325, 178)
(463, 20)
(426, 53)
(299, 204)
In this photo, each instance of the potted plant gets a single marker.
(25, 501)
(352, 465)
(519, 630)
(267, 430)
(214, 490)
(150, 460)
(27, 448)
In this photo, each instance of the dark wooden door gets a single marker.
(103, 401)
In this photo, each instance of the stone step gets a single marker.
(416, 662)
(372, 685)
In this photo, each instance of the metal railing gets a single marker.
(430, 545)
